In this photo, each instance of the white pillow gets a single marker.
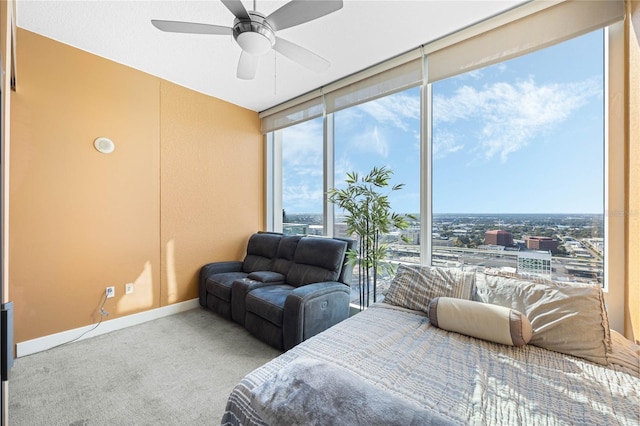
(567, 318)
(481, 320)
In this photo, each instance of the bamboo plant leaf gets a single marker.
(367, 207)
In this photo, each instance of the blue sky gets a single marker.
(522, 136)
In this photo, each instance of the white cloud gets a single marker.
(395, 109)
(513, 114)
(445, 143)
(302, 155)
(302, 144)
(371, 140)
(304, 197)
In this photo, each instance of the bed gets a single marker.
(390, 365)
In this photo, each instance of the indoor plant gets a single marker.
(365, 201)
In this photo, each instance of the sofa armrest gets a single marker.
(239, 290)
(220, 267)
(214, 268)
(313, 308)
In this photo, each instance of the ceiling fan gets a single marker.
(256, 33)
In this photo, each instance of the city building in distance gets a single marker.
(541, 243)
(562, 247)
(498, 237)
(534, 263)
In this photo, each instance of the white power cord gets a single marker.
(103, 314)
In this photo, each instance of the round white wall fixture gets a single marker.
(104, 145)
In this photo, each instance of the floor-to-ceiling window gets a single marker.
(302, 178)
(518, 163)
(503, 142)
(384, 132)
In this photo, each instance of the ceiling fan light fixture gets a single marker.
(254, 36)
(254, 43)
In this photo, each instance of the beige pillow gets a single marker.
(481, 320)
(567, 318)
(414, 286)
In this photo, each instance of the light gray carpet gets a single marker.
(177, 370)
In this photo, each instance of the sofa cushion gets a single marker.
(268, 302)
(286, 253)
(317, 260)
(220, 284)
(261, 250)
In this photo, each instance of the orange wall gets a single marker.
(167, 198)
(212, 185)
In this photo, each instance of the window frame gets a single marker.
(614, 184)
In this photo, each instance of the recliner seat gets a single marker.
(287, 289)
(281, 265)
(216, 278)
(309, 301)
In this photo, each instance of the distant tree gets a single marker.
(475, 243)
(462, 241)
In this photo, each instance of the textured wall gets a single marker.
(82, 220)
(212, 178)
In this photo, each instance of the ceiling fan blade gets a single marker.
(247, 66)
(237, 8)
(300, 11)
(190, 27)
(299, 54)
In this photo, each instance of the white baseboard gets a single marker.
(47, 342)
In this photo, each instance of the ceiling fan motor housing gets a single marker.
(255, 36)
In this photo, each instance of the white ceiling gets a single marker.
(361, 34)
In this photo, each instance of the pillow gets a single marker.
(267, 277)
(312, 392)
(540, 279)
(414, 286)
(481, 320)
(625, 353)
(567, 318)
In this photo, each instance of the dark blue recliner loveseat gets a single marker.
(286, 290)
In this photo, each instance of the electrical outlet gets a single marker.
(111, 292)
(128, 288)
